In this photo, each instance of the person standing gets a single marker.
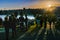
(50, 21)
(21, 21)
(26, 22)
(0, 21)
(37, 19)
(45, 21)
(41, 21)
(13, 23)
(6, 25)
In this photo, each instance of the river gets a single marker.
(29, 17)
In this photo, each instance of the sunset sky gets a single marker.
(14, 4)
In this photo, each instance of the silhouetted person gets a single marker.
(12, 21)
(37, 19)
(54, 20)
(41, 21)
(26, 22)
(6, 25)
(45, 22)
(50, 21)
(16, 14)
(0, 21)
(21, 21)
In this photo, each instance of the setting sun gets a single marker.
(49, 5)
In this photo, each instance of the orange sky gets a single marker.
(19, 4)
(44, 4)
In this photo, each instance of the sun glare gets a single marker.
(49, 5)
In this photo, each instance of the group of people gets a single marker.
(11, 22)
(44, 19)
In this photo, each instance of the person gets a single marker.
(37, 19)
(45, 21)
(54, 20)
(12, 21)
(26, 22)
(21, 21)
(13, 25)
(41, 21)
(6, 25)
(0, 21)
(50, 21)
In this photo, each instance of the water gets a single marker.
(3, 16)
(29, 17)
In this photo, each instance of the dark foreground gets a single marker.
(35, 33)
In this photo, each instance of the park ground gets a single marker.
(34, 32)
